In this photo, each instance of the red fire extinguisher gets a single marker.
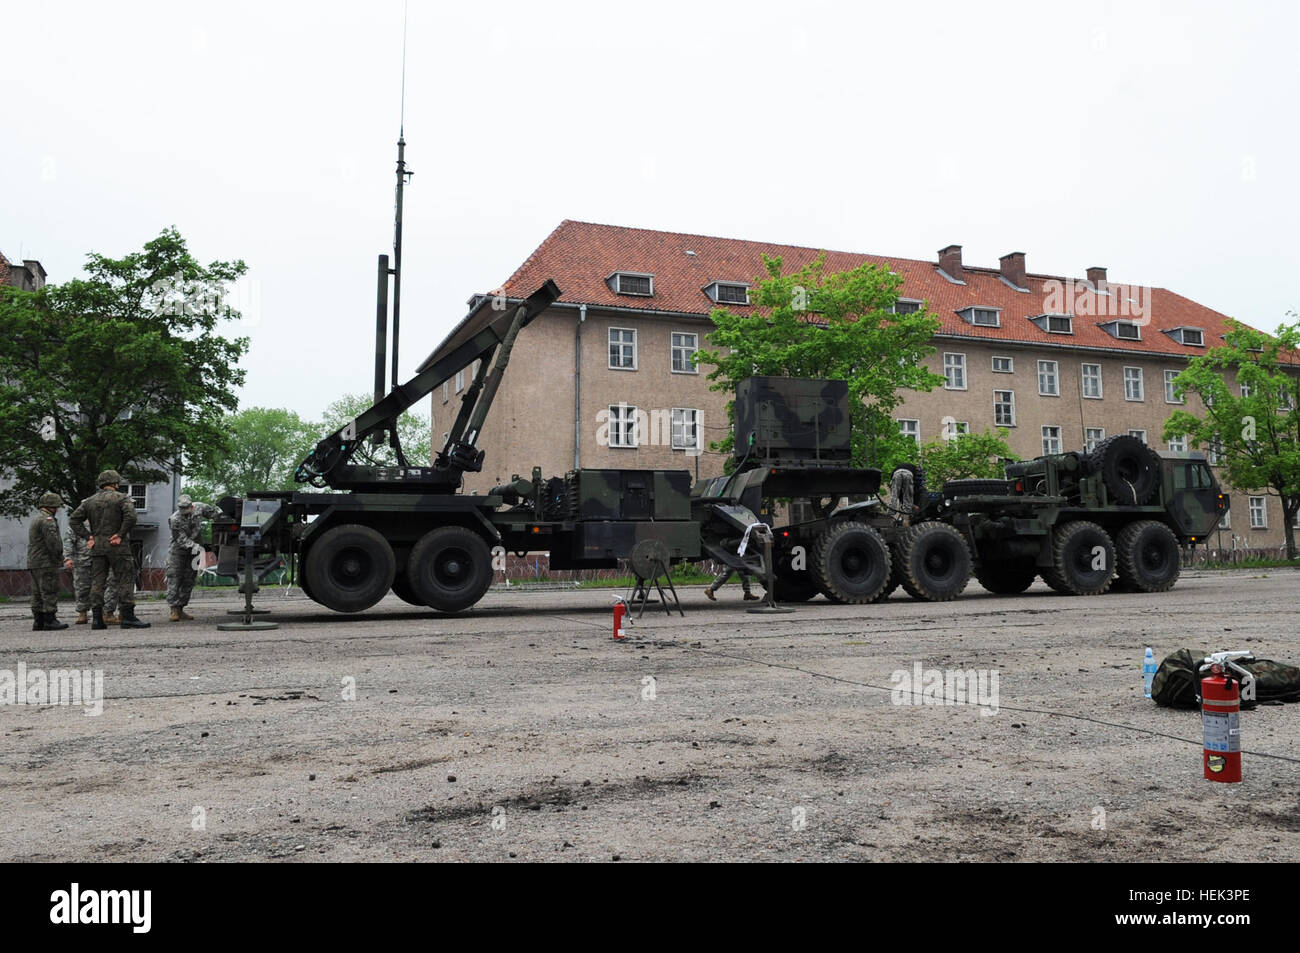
(1221, 716)
(620, 610)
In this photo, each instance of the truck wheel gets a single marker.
(350, 569)
(851, 563)
(794, 590)
(1006, 578)
(1128, 467)
(936, 562)
(1083, 560)
(402, 589)
(450, 568)
(1147, 556)
(952, 488)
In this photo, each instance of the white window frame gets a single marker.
(1046, 437)
(1141, 384)
(689, 365)
(1067, 318)
(997, 318)
(623, 430)
(1178, 444)
(959, 366)
(1245, 391)
(916, 428)
(679, 427)
(1140, 434)
(1182, 338)
(620, 344)
(717, 292)
(618, 284)
(1009, 369)
(893, 308)
(1137, 336)
(1225, 521)
(1085, 377)
(1090, 443)
(143, 494)
(1169, 387)
(446, 391)
(1056, 379)
(1214, 452)
(1263, 511)
(956, 428)
(1010, 403)
(460, 380)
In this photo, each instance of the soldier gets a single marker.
(75, 549)
(720, 580)
(185, 524)
(111, 515)
(44, 560)
(902, 496)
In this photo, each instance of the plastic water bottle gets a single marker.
(1148, 671)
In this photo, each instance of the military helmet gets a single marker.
(107, 477)
(185, 502)
(50, 500)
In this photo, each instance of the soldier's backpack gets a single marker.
(1177, 682)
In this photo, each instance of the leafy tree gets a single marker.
(965, 456)
(415, 431)
(266, 445)
(831, 326)
(121, 370)
(1257, 437)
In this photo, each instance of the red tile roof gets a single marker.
(581, 255)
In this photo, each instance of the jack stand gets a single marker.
(248, 587)
(769, 605)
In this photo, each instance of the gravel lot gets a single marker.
(520, 730)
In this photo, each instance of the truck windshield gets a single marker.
(1193, 476)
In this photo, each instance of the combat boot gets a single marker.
(81, 619)
(113, 619)
(129, 621)
(39, 624)
(185, 616)
(97, 619)
(175, 616)
(52, 624)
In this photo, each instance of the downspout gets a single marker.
(577, 387)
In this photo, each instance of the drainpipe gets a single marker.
(577, 387)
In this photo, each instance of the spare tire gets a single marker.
(953, 488)
(851, 563)
(936, 562)
(1129, 469)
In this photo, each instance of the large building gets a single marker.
(604, 377)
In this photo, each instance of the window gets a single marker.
(446, 391)
(1193, 336)
(910, 428)
(1226, 521)
(954, 369)
(1258, 513)
(906, 307)
(139, 494)
(955, 428)
(1245, 390)
(1091, 379)
(1091, 437)
(622, 348)
(1003, 365)
(622, 426)
(1140, 434)
(460, 380)
(1286, 401)
(732, 294)
(684, 347)
(982, 317)
(1004, 408)
(1055, 323)
(1214, 453)
(630, 283)
(686, 428)
(1051, 440)
(1127, 331)
(1048, 385)
(1133, 383)
(1170, 396)
(1178, 444)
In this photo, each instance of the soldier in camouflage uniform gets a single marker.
(44, 561)
(74, 548)
(185, 525)
(111, 515)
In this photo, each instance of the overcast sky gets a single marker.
(1158, 140)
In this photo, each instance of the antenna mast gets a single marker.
(381, 297)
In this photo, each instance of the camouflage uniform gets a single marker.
(44, 561)
(186, 524)
(110, 514)
(74, 548)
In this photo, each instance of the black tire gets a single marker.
(850, 563)
(1129, 469)
(1006, 578)
(952, 488)
(1074, 556)
(303, 584)
(794, 590)
(351, 567)
(450, 568)
(402, 589)
(1147, 556)
(935, 563)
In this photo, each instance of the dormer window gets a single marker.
(1122, 330)
(631, 283)
(905, 306)
(1055, 323)
(981, 317)
(1194, 337)
(727, 292)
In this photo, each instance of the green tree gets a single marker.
(414, 429)
(122, 369)
(964, 457)
(1257, 437)
(830, 326)
(265, 446)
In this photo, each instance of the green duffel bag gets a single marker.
(1177, 682)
